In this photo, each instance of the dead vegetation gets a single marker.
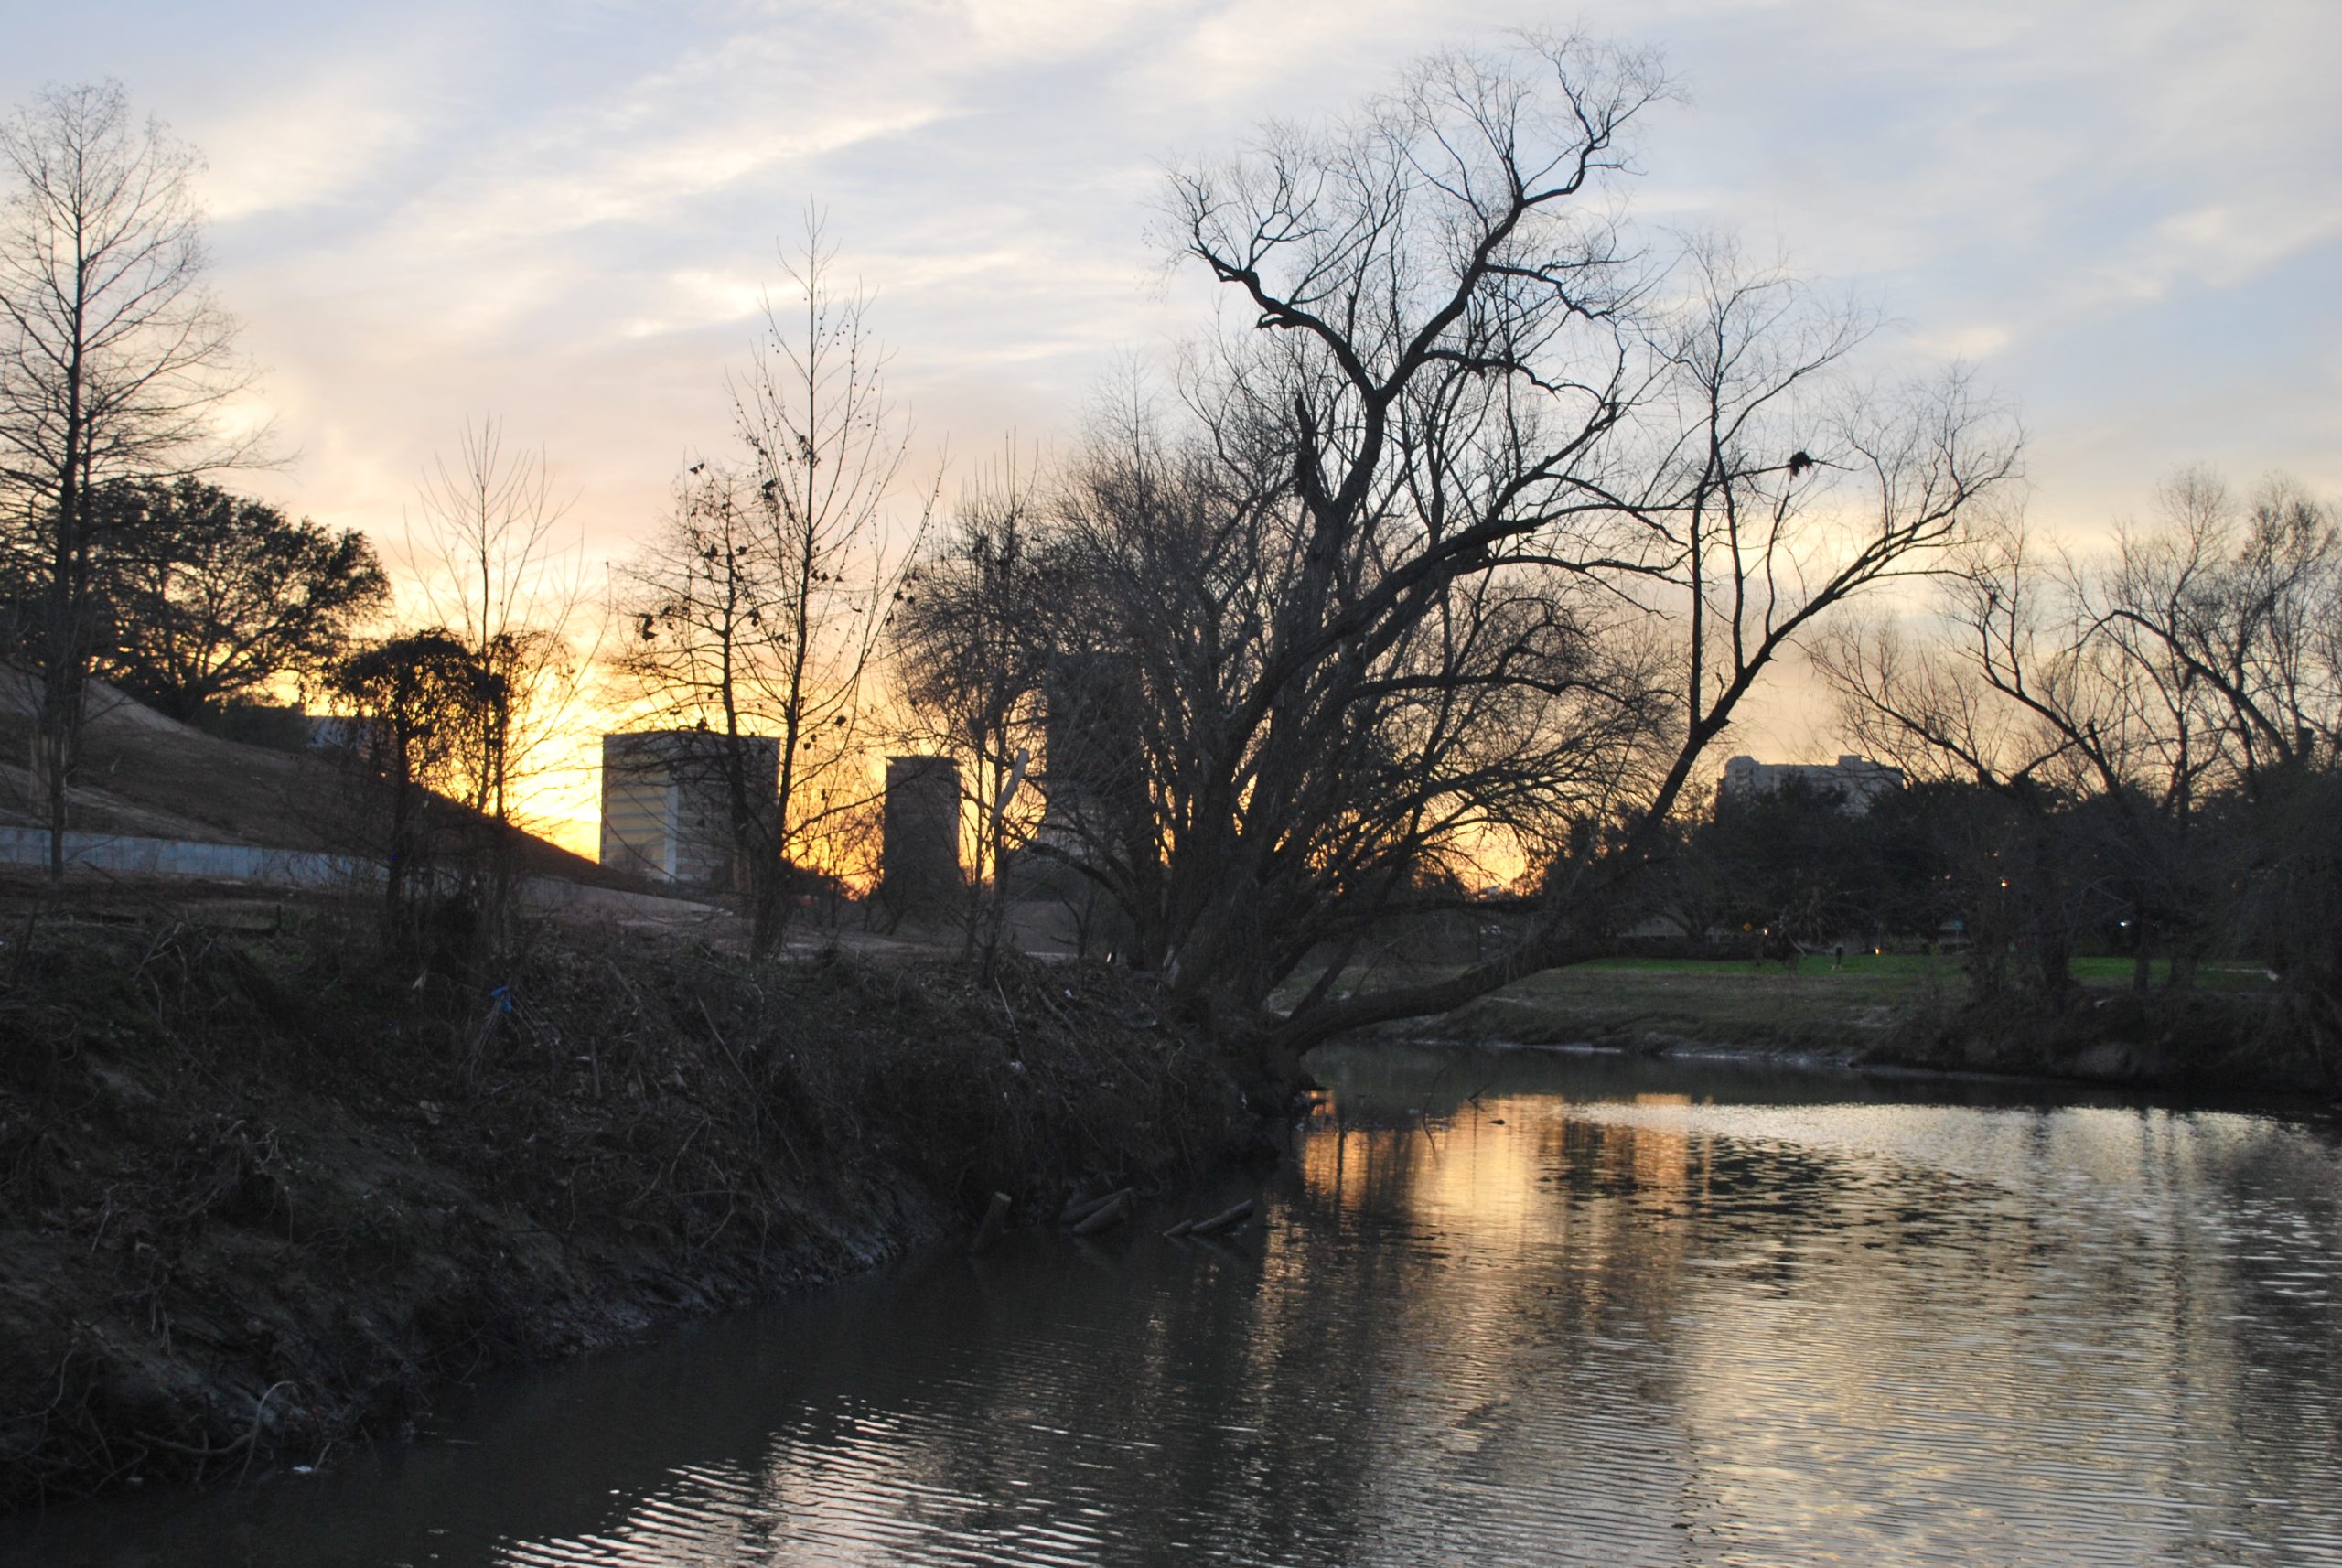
(262, 1191)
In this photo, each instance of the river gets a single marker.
(1498, 1308)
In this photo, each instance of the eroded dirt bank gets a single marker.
(263, 1191)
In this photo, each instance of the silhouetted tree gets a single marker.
(972, 648)
(2020, 697)
(2242, 597)
(2160, 726)
(114, 363)
(759, 609)
(421, 703)
(494, 570)
(1794, 867)
(213, 596)
(1468, 455)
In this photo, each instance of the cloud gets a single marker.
(326, 138)
(1977, 340)
(570, 212)
(558, 187)
(2224, 244)
(697, 297)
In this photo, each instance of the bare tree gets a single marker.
(114, 363)
(2241, 598)
(760, 610)
(700, 633)
(495, 571)
(1467, 407)
(494, 568)
(1462, 744)
(970, 648)
(2009, 700)
(2165, 717)
(2033, 689)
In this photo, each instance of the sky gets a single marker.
(2125, 214)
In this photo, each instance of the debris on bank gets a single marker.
(262, 1194)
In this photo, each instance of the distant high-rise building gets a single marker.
(1094, 773)
(1856, 781)
(920, 857)
(667, 803)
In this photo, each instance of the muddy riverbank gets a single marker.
(1497, 1308)
(266, 1188)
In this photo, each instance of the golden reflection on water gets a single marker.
(1639, 1327)
(1496, 1311)
(1921, 1322)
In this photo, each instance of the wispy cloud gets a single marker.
(571, 213)
(325, 143)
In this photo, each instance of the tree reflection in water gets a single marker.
(1501, 1309)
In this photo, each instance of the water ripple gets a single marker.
(1618, 1322)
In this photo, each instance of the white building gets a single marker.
(1857, 781)
(667, 803)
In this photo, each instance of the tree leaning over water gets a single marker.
(115, 363)
(1480, 521)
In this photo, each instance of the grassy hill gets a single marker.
(148, 776)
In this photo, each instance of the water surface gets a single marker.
(1500, 1308)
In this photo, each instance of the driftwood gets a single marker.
(1106, 1216)
(1227, 1220)
(995, 1221)
(1179, 1229)
(1077, 1214)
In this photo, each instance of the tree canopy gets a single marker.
(214, 595)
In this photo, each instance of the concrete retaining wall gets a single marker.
(183, 857)
(133, 856)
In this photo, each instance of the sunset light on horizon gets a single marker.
(2126, 218)
(1115, 783)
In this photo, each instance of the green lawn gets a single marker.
(1814, 1006)
(2113, 972)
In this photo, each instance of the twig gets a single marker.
(251, 1437)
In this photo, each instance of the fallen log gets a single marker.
(1106, 1216)
(1227, 1220)
(1075, 1214)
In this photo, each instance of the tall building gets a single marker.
(1857, 781)
(919, 858)
(667, 803)
(1093, 772)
